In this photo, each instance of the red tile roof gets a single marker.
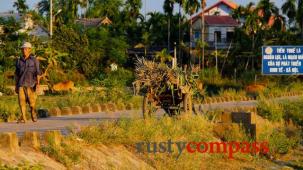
(89, 22)
(220, 20)
(230, 4)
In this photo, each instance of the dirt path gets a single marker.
(64, 123)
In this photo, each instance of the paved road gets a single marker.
(64, 123)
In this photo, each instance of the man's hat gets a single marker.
(26, 45)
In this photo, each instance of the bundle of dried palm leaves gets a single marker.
(158, 77)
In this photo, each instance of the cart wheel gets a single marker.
(148, 107)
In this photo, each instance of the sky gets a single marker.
(151, 5)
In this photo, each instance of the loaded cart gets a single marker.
(164, 87)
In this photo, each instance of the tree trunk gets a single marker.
(190, 38)
(168, 35)
(179, 56)
(202, 36)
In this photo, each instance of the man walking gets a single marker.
(27, 81)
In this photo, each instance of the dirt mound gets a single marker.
(110, 157)
(29, 156)
(92, 157)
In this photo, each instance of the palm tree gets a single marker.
(239, 13)
(191, 7)
(43, 7)
(252, 25)
(156, 24)
(268, 9)
(289, 9)
(21, 6)
(181, 6)
(133, 7)
(299, 16)
(163, 56)
(168, 9)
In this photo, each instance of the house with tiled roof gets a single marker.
(28, 25)
(219, 25)
(94, 22)
(222, 7)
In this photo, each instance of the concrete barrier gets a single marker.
(244, 117)
(66, 111)
(87, 109)
(228, 121)
(55, 111)
(96, 108)
(31, 139)
(224, 129)
(121, 106)
(112, 107)
(104, 108)
(129, 106)
(9, 142)
(76, 110)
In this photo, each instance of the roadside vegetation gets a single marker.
(86, 56)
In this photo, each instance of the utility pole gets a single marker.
(145, 12)
(203, 5)
(175, 56)
(216, 50)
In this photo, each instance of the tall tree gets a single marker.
(191, 7)
(21, 6)
(43, 7)
(289, 9)
(299, 16)
(168, 9)
(203, 5)
(267, 9)
(181, 6)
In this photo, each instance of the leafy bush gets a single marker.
(6, 91)
(294, 111)
(130, 131)
(231, 93)
(23, 166)
(65, 153)
(280, 142)
(121, 77)
(270, 110)
(9, 110)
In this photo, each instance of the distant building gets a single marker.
(94, 22)
(219, 25)
(28, 26)
(222, 8)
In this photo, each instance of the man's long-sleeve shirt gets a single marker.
(27, 71)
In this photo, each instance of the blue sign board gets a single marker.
(282, 60)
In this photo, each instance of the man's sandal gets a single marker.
(21, 121)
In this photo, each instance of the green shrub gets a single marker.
(270, 110)
(280, 143)
(23, 166)
(294, 111)
(121, 77)
(65, 153)
(9, 110)
(7, 91)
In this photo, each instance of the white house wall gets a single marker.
(223, 30)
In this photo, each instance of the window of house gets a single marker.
(197, 35)
(229, 36)
(218, 36)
